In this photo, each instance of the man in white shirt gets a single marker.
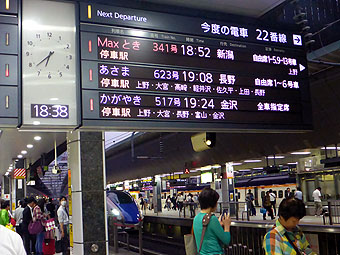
(272, 197)
(180, 201)
(10, 242)
(18, 216)
(298, 194)
(63, 221)
(317, 201)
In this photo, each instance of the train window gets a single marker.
(280, 193)
(263, 194)
(239, 195)
(120, 197)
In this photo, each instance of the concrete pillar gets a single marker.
(228, 190)
(13, 194)
(86, 159)
(224, 188)
(157, 192)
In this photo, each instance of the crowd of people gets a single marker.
(269, 201)
(211, 233)
(29, 226)
(174, 202)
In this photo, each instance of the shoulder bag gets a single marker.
(189, 240)
(35, 227)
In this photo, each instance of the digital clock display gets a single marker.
(252, 78)
(54, 111)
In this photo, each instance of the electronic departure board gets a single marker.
(147, 70)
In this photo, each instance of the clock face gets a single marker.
(49, 66)
(49, 55)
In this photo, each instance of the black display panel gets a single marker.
(53, 111)
(9, 65)
(143, 78)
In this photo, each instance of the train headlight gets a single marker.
(115, 212)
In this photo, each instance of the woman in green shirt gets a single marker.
(218, 229)
(4, 217)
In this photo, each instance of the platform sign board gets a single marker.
(148, 70)
(9, 64)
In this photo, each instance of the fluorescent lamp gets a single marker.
(24, 152)
(301, 153)
(19, 156)
(252, 161)
(292, 163)
(37, 138)
(237, 164)
(29, 146)
(276, 157)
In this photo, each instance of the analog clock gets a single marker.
(49, 60)
(49, 54)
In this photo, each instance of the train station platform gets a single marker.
(313, 220)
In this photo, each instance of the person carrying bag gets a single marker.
(189, 240)
(286, 237)
(210, 232)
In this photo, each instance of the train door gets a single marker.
(256, 194)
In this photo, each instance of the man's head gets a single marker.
(63, 201)
(288, 189)
(50, 200)
(21, 203)
(270, 191)
(291, 211)
(319, 188)
(31, 202)
(249, 190)
(298, 188)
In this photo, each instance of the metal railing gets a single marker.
(332, 216)
(117, 228)
(239, 210)
(238, 249)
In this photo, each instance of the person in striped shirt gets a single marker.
(286, 238)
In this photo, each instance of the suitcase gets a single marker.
(49, 247)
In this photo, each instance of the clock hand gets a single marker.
(48, 56)
(51, 53)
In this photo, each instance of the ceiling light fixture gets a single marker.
(19, 156)
(292, 163)
(37, 138)
(29, 146)
(237, 164)
(301, 153)
(330, 148)
(276, 157)
(24, 152)
(252, 161)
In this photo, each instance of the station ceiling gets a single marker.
(250, 8)
(13, 141)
